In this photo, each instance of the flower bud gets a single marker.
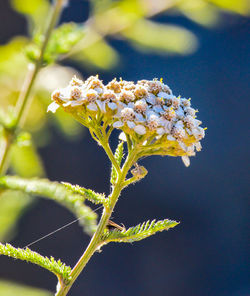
(139, 171)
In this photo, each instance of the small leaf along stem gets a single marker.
(25, 98)
(96, 241)
(130, 181)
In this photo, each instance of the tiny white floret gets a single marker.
(140, 129)
(112, 106)
(186, 160)
(171, 138)
(53, 107)
(163, 95)
(122, 137)
(101, 105)
(118, 124)
(92, 107)
(130, 124)
(160, 131)
(151, 99)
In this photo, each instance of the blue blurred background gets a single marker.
(206, 255)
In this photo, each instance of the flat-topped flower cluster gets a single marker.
(146, 111)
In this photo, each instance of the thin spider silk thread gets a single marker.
(58, 229)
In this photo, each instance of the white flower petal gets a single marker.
(143, 101)
(122, 137)
(67, 104)
(151, 99)
(92, 107)
(53, 107)
(197, 122)
(99, 90)
(130, 124)
(160, 131)
(183, 146)
(170, 97)
(150, 113)
(162, 121)
(140, 129)
(171, 138)
(112, 106)
(118, 124)
(76, 103)
(158, 109)
(65, 93)
(179, 113)
(179, 124)
(186, 160)
(190, 150)
(198, 146)
(163, 95)
(196, 133)
(139, 117)
(131, 105)
(120, 107)
(101, 105)
(168, 126)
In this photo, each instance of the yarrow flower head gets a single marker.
(147, 113)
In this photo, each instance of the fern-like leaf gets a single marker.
(61, 270)
(138, 232)
(118, 157)
(57, 192)
(87, 193)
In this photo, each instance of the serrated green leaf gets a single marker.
(60, 269)
(87, 193)
(118, 157)
(57, 192)
(147, 35)
(138, 232)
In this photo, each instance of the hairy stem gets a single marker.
(24, 98)
(104, 141)
(110, 154)
(130, 181)
(96, 241)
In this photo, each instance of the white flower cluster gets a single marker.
(142, 110)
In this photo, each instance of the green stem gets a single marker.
(110, 154)
(4, 148)
(110, 131)
(96, 241)
(24, 98)
(93, 136)
(104, 141)
(130, 181)
(129, 143)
